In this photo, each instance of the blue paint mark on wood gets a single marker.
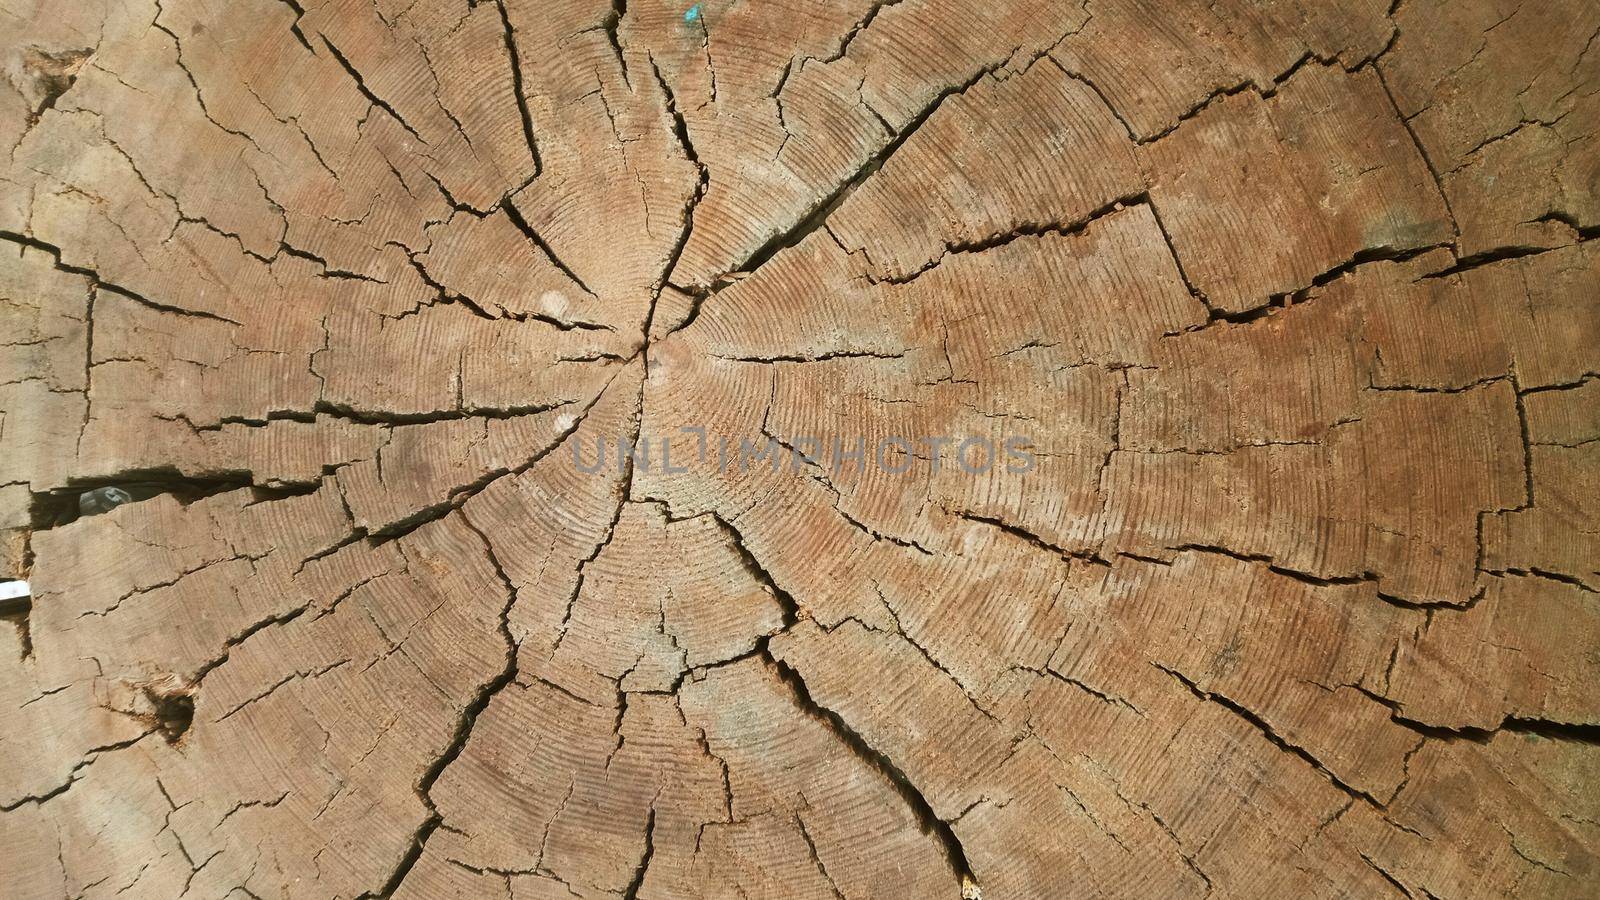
(693, 15)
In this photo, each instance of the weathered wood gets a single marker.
(800, 449)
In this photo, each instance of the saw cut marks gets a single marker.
(827, 450)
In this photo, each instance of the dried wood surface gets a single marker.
(1294, 304)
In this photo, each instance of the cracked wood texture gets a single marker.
(1295, 303)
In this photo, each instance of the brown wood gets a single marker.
(1224, 519)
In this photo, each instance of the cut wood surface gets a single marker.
(800, 449)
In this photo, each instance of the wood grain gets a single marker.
(791, 449)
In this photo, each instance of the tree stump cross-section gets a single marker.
(835, 449)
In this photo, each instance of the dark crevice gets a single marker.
(1232, 90)
(1366, 255)
(824, 207)
(1490, 257)
(306, 674)
(1104, 100)
(519, 89)
(199, 99)
(98, 283)
(1289, 298)
(1530, 495)
(481, 699)
(1029, 537)
(791, 607)
(902, 634)
(1574, 384)
(1431, 732)
(173, 711)
(447, 296)
(88, 366)
(680, 129)
(599, 548)
(52, 74)
(1393, 881)
(800, 457)
(18, 612)
(1430, 389)
(631, 892)
(328, 271)
(347, 413)
(283, 490)
(453, 202)
(294, 27)
(1422, 151)
(697, 301)
(816, 859)
(1394, 38)
(1577, 732)
(77, 773)
(1581, 733)
(361, 85)
(1001, 239)
(619, 9)
(821, 357)
(1269, 733)
(1584, 232)
(48, 509)
(248, 632)
(62, 506)
(1269, 563)
(915, 802)
(1177, 261)
(1102, 696)
(461, 494)
(1547, 575)
(624, 495)
(1467, 157)
(1266, 92)
(860, 26)
(533, 236)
